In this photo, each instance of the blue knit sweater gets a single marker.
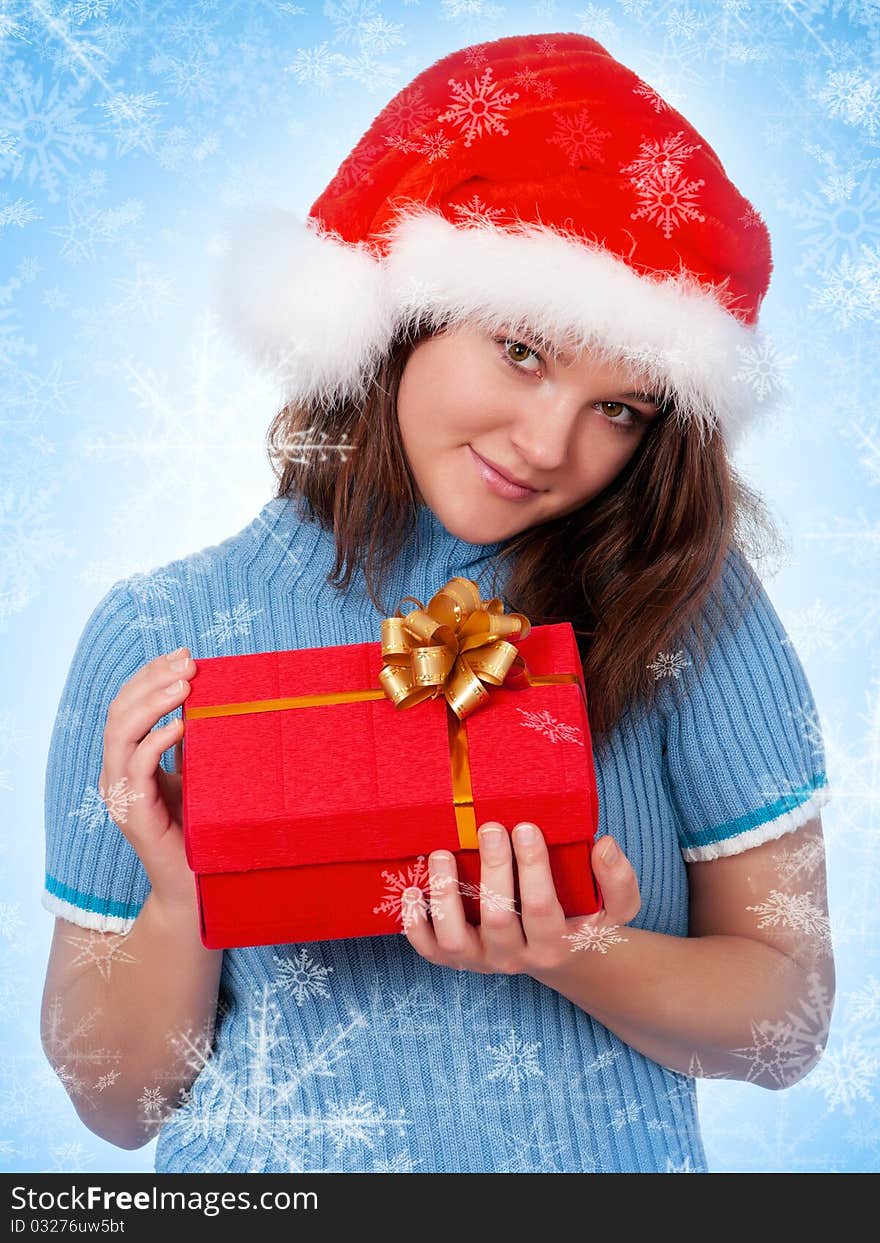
(358, 1054)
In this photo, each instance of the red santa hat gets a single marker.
(532, 184)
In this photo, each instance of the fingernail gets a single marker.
(179, 652)
(609, 852)
(526, 833)
(175, 688)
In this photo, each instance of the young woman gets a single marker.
(515, 334)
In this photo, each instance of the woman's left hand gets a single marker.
(538, 939)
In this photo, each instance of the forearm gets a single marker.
(698, 1005)
(132, 1028)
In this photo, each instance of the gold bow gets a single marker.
(453, 646)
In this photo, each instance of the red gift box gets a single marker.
(311, 801)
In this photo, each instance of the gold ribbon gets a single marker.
(451, 647)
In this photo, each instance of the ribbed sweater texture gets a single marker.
(357, 1054)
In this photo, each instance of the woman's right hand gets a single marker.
(152, 820)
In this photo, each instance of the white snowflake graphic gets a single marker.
(657, 102)
(310, 444)
(69, 1158)
(626, 1115)
(845, 1075)
(578, 137)
(802, 861)
(408, 896)
(47, 120)
(436, 146)
(669, 200)
(796, 911)
(478, 107)
(660, 158)
(865, 1002)
(100, 949)
(515, 1061)
(551, 727)
(668, 665)
(151, 1101)
(30, 542)
(268, 1106)
(763, 368)
(409, 110)
(534, 1151)
(302, 976)
(475, 213)
(495, 901)
(80, 1066)
(786, 1050)
(852, 96)
(850, 291)
(134, 120)
(229, 623)
(596, 937)
(98, 801)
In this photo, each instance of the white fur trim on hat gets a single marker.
(320, 312)
(303, 305)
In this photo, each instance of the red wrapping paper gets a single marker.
(307, 823)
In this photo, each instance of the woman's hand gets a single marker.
(538, 939)
(141, 798)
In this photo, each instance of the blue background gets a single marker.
(133, 434)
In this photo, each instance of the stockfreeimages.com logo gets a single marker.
(210, 1203)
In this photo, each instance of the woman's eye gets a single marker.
(515, 353)
(613, 414)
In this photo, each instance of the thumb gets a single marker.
(617, 880)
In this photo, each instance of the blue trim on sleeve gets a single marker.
(87, 901)
(707, 837)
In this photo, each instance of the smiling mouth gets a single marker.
(498, 482)
(502, 473)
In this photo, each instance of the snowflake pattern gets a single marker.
(82, 1068)
(668, 665)
(302, 976)
(596, 937)
(99, 801)
(845, 1075)
(784, 1050)
(271, 1110)
(475, 213)
(101, 950)
(578, 137)
(151, 1101)
(230, 623)
(407, 896)
(656, 174)
(551, 727)
(478, 107)
(515, 1061)
(798, 912)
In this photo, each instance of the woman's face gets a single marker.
(565, 427)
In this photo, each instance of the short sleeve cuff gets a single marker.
(787, 814)
(101, 914)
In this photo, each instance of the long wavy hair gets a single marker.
(635, 570)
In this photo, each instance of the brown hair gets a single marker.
(634, 569)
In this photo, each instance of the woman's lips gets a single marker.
(497, 483)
